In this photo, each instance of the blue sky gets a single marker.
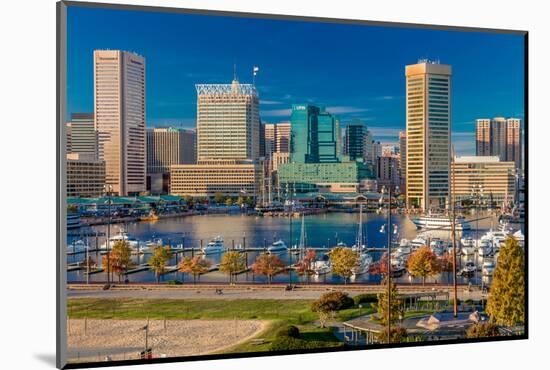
(356, 71)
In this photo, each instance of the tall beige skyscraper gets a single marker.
(513, 142)
(428, 86)
(228, 122)
(119, 97)
(277, 138)
(403, 161)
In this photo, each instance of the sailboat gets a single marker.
(365, 259)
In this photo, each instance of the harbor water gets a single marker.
(321, 231)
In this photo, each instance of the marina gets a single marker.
(211, 235)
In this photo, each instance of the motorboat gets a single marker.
(468, 269)
(437, 246)
(77, 246)
(485, 247)
(321, 267)
(214, 246)
(122, 235)
(277, 247)
(440, 222)
(418, 242)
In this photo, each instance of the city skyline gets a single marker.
(376, 96)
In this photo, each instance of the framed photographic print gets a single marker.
(236, 185)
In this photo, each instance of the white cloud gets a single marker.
(277, 112)
(346, 109)
(270, 102)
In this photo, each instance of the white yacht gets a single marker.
(468, 245)
(214, 246)
(321, 268)
(468, 269)
(278, 246)
(485, 247)
(133, 243)
(437, 246)
(77, 246)
(440, 222)
(418, 242)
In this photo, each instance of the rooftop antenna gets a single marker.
(234, 71)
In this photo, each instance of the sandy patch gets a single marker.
(124, 339)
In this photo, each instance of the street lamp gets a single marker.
(389, 234)
(108, 189)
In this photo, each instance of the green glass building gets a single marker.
(315, 157)
(354, 143)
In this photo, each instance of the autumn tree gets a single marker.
(423, 263)
(380, 267)
(343, 260)
(268, 265)
(445, 264)
(231, 263)
(219, 198)
(119, 258)
(159, 259)
(194, 265)
(329, 303)
(506, 302)
(396, 308)
(482, 330)
(304, 266)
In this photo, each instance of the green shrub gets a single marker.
(365, 298)
(286, 343)
(451, 302)
(289, 331)
(469, 302)
(482, 330)
(173, 282)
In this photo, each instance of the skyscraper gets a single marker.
(228, 122)
(403, 160)
(167, 146)
(428, 86)
(82, 135)
(282, 137)
(119, 109)
(314, 135)
(354, 142)
(499, 137)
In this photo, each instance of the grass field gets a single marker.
(280, 313)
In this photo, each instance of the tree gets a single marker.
(423, 263)
(231, 263)
(159, 259)
(380, 267)
(304, 265)
(119, 258)
(506, 302)
(445, 264)
(195, 266)
(268, 265)
(343, 260)
(329, 303)
(398, 335)
(396, 308)
(482, 330)
(219, 198)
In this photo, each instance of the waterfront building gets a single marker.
(280, 158)
(85, 175)
(428, 89)
(167, 146)
(387, 171)
(228, 122)
(208, 177)
(496, 178)
(82, 135)
(354, 139)
(403, 161)
(500, 137)
(119, 110)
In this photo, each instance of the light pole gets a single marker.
(109, 189)
(388, 273)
